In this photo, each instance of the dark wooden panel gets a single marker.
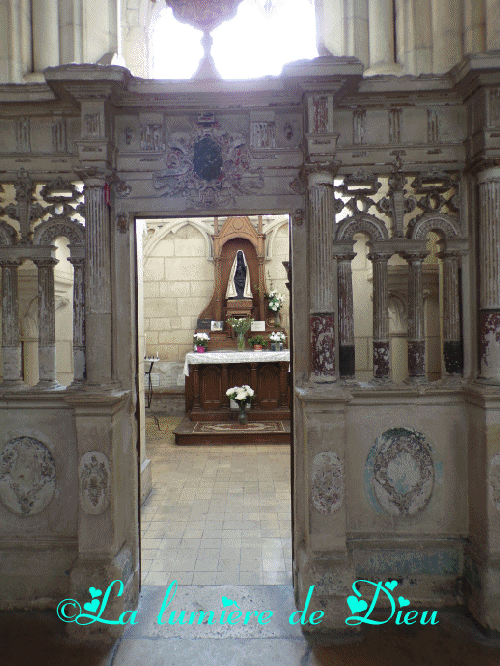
(210, 387)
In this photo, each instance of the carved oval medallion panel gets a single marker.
(27, 476)
(327, 482)
(403, 471)
(95, 477)
(494, 479)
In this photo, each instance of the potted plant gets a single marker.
(201, 342)
(242, 396)
(277, 338)
(258, 342)
(240, 326)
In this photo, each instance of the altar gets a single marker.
(209, 375)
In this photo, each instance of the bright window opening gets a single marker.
(262, 37)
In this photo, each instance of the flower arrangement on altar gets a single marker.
(201, 340)
(240, 327)
(242, 396)
(276, 300)
(277, 338)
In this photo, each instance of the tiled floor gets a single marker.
(217, 515)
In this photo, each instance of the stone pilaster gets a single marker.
(489, 274)
(45, 22)
(46, 323)
(78, 319)
(97, 284)
(416, 333)
(11, 340)
(380, 316)
(452, 335)
(347, 359)
(322, 272)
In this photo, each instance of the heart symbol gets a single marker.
(92, 606)
(392, 584)
(228, 602)
(403, 602)
(94, 592)
(356, 605)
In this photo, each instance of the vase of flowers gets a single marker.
(240, 327)
(276, 301)
(258, 342)
(242, 396)
(277, 338)
(201, 342)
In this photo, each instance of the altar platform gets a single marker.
(213, 433)
(209, 417)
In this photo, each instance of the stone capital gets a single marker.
(319, 173)
(45, 263)
(487, 170)
(10, 263)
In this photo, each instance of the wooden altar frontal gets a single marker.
(209, 418)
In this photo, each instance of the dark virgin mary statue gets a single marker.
(238, 285)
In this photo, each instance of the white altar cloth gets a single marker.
(234, 356)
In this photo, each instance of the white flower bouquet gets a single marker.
(275, 300)
(243, 395)
(201, 339)
(277, 336)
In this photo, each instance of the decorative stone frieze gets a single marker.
(403, 471)
(95, 480)
(209, 166)
(327, 482)
(27, 476)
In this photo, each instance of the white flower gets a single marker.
(250, 391)
(241, 396)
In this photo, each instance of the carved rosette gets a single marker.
(27, 476)
(95, 479)
(494, 480)
(403, 472)
(327, 482)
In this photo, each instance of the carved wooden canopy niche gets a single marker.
(237, 233)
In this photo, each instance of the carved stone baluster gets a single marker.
(46, 323)
(416, 335)
(489, 272)
(380, 316)
(323, 271)
(452, 338)
(97, 284)
(347, 359)
(78, 319)
(11, 340)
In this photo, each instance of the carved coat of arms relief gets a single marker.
(209, 166)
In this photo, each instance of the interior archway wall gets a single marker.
(178, 285)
